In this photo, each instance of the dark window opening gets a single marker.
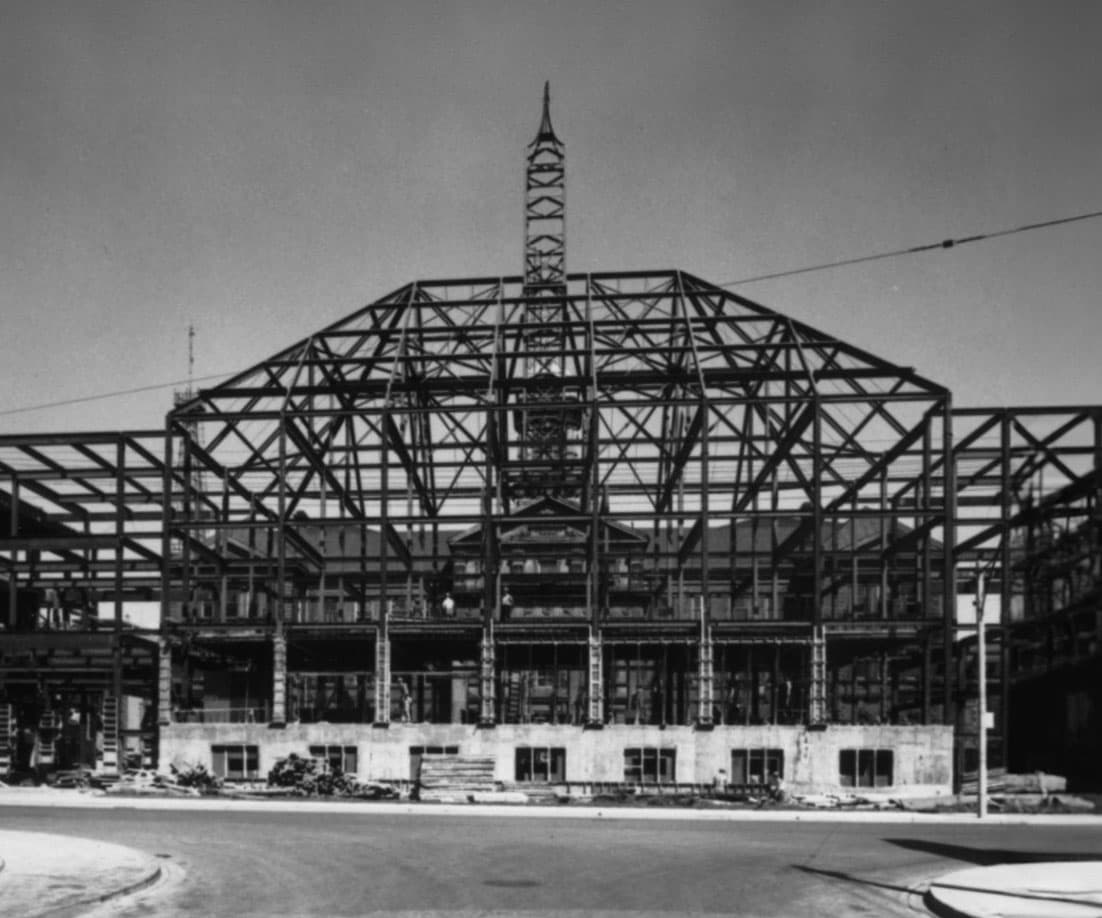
(235, 763)
(866, 767)
(754, 766)
(540, 763)
(342, 758)
(650, 765)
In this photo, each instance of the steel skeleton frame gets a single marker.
(704, 415)
(1029, 492)
(771, 468)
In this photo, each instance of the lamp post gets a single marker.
(981, 652)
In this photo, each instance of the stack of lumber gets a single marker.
(999, 781)
(450, 778)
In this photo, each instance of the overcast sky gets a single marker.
(260, 169)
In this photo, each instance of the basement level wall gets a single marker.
(922, 756)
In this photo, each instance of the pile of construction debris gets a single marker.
(1036, 792)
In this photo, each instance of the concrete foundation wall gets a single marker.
(923, 755)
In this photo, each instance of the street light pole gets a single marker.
(981, 652)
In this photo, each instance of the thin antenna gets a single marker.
(188, 393)
(190, 359)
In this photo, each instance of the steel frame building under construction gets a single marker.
(603, 528)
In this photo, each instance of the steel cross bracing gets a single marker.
(1029, 493)
(701, 410)
(83, 511)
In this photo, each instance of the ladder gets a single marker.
(47, 739)
(109, 761)
(7, 723)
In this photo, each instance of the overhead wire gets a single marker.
(114, 394)
(914, 250)
(791, 272)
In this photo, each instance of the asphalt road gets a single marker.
(362, 864)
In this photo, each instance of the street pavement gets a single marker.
(62, 876)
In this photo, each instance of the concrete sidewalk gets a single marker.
(1057, 889)
(58, 875)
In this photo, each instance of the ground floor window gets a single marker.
(235, 763)
(343, 758)
(754, 766)
(866, 767)
(541, 763)
(650, 765)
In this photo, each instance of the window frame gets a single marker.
(758, 762)
(645, 765)
(527, 761)
(875, 762)
(337, 754)
(246, 755)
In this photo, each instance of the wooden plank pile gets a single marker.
(454, 778)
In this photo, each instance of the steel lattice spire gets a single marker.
(546, 431)
(545, 208)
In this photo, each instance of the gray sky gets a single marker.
(262, 169)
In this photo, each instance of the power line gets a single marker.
(103, 395)
(914, 250)
(861, 259)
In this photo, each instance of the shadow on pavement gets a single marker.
(988, 857)
(849, 878)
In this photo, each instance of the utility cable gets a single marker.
(914, 250)
(102, 395)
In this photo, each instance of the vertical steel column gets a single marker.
(595, 706)
(164, 685)
(926, 508)
(279, 679)
(279, 640)
(487, 678)
(817, 702)
(1006, 590)
(382, 671)
(927, 677)
(949, 584)
(185, 528)
(120, 533)
(164, 680)
(706, 673)
(949, 572)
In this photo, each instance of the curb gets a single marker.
(75, 909)
(939, 908)
(1044, 891)
(668, 814)
(136, 886)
